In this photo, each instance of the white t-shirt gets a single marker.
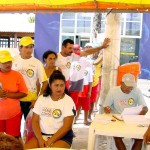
(118, 100)
(77, 72)
(52, 113)
(31, 70)
(88, 75)
(65, 63)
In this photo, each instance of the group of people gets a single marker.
(56, 91)
(25, 83)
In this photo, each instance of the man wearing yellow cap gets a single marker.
(12, 88)
(32, 71)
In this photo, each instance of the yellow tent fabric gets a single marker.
(74, 5)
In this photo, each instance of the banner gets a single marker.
(46, 35)
(145, 48)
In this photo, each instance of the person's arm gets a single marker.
(90, 90)
(44, 86)
(107, 109)
(147, 136)
(37, 130)
(16, 95)
(94, 50)
(108, 102)
(141, 101)
(144, 110)
(67, 125)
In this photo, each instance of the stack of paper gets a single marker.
(136, 119)
(132, 110)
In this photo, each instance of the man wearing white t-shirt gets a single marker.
(66, 56)
(32, 71)
(125, 96)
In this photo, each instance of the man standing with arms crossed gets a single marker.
(32, 70)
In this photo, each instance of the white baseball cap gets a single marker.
(129, 80)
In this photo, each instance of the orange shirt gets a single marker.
(12, 82)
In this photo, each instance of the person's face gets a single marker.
(26, 51)
(76, 50)
(50, 60)
(126, 89)
(6, 67)
(68, 49)
(58, 87)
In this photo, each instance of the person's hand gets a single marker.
(49, 143)
(3, 93)
(143, 111)
(42, 143)
(106, 42)
(88, 95)
(146, 136)
(32, 104)
(107, 109)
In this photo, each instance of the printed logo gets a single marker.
(56, 113)
(30, 73)
(85, 73)
(130, 101)
(68, 65)
(78, 67)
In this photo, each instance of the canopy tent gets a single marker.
(74, 5)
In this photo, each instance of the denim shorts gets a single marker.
(67, 138)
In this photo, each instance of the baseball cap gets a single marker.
(129, 80)
(25, 41)
(5, 56)
(76, 47)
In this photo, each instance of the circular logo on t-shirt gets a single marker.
(68, 65)
(78, 67)
(30, 73)
(57, 113)
(130, 101)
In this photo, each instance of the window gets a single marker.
(131, 25)
(78, 26)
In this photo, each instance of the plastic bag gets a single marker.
(28, 131)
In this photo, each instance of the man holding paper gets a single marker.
(125, 96)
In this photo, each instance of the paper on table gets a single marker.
(136, 119)
(103, 119)
(132, 110)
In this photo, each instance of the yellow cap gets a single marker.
(5, 56)
(25, 41)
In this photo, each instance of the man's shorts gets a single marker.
(68, 138)
(94, 93)
(84, 102)
(74, 96)
(85, 91)
(11, 126)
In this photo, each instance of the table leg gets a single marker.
(91, 139)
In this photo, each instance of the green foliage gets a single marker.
(31, 19)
